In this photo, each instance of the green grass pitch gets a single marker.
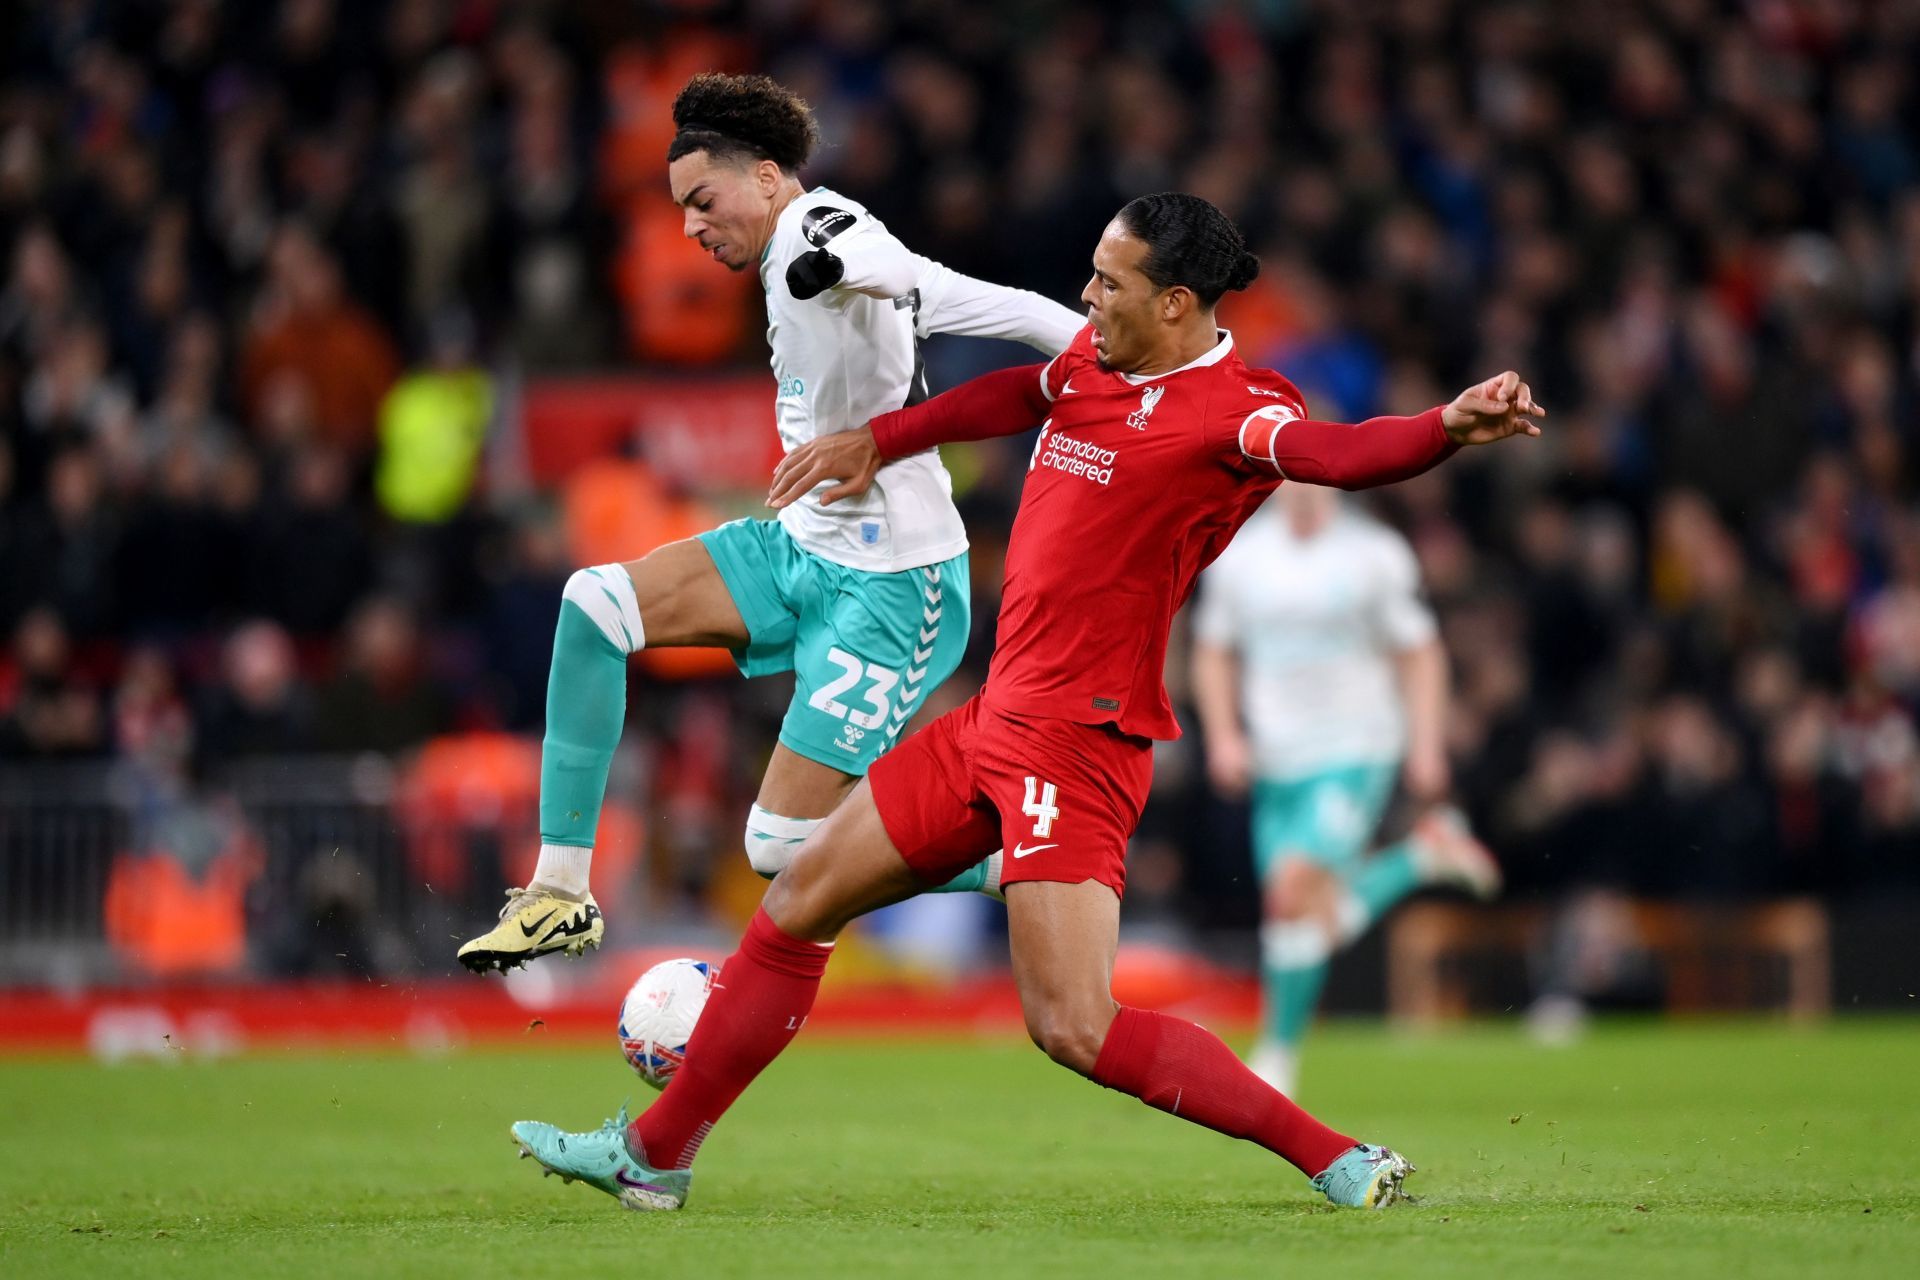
(1741, 1150)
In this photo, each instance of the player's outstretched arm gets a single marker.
(995, 404)
(1387, 450)
(951, 302)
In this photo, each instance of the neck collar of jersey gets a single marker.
(1214, 356)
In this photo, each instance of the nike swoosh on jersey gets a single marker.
(1021, 851)
(1068, 389)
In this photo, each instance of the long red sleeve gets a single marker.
(1360, 455)
(1002, 403)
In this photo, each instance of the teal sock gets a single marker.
(972, 880)
(586, 707)
(1384, 878)
(1293, 969)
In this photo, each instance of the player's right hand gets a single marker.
(1229, 764)
(851, 457)
(1501, 406)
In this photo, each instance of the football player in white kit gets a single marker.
(1320, 678)
(865, 601)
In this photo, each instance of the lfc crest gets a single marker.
(1148, 398)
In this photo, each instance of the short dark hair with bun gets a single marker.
(1190, 242)
(743, 117)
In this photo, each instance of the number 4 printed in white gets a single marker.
(1041, 807)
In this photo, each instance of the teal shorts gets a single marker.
(1329, 816)
(866, 649)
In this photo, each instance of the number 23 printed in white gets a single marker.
(827, 697)
(1041, 807)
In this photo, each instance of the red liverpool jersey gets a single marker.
(1135, 485)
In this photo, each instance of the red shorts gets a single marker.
(1061, 798)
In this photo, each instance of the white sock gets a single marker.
(995, 861)
(1351, 918)
(1293, 944)
(563, 869)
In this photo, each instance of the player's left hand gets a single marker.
(851, 457)
(1501, 406)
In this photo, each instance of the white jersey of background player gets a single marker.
(1318, 671)
(1317, 622)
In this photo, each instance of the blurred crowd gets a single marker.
(272, 272)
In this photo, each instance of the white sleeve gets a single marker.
(959, 304)
(1401, 618)
(1214, 622)
(876, 263)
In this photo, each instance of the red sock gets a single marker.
(1184, 1069)
(759, 1003)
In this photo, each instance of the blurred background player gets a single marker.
(866, 603)
(1319, 675)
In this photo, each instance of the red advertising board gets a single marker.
(708, 434)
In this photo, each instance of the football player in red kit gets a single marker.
(1156, 443)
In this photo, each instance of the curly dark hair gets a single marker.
(751, 117)
(1190, 242)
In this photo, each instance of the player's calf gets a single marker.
(1069, 1034)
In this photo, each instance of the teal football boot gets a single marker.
(601, 1159)
(1365, 1177)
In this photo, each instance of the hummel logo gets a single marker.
(528, 930)
(1021, 850)
(579, 924)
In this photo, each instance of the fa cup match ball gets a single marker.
(657, 1017)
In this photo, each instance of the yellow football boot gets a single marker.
(534, 923)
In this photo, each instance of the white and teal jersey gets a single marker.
(852, 353)
(1316, 623)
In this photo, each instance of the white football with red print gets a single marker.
(657, 1017)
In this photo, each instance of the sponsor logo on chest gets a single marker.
(1088, 459)
(1058, 451)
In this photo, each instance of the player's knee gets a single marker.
(605, 594)
(1070, 1036)
(1295, 889)
(801, 899)
(772, 841)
